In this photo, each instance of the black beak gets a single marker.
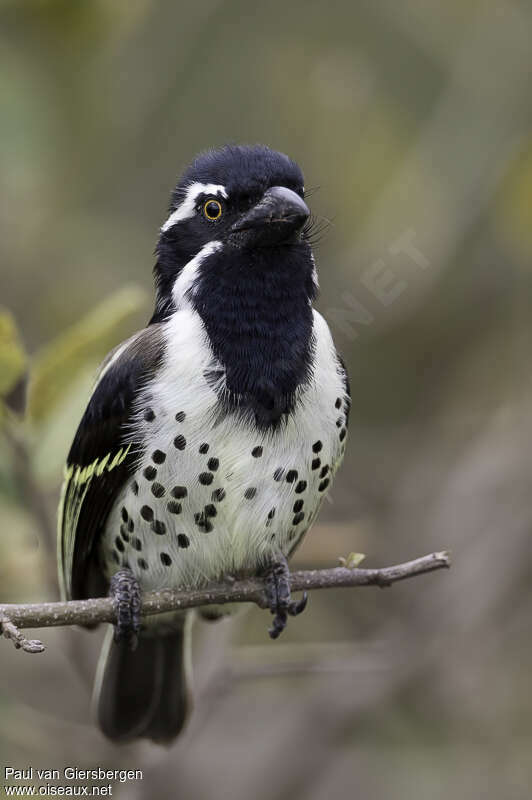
(276, 219)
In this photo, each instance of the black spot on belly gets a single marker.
(149, 415)
(278, 474)
(343, 434)
(213, 464)
(338, 403)
(298, 518)
(166, 560)
(180, 442)
(146, 513)
(204, 448)
(157, 489)
(316, 447)
(183, 540)
(316, 463)
(174, 507)
(143, 564)
(205, 478)
(250, 493)
(179, 492)
(158, 527)
(323, 485)
(291, 475)
(301, 486)
(180, 416)
(202, 522)
(210, 510)
(324, 471)
(137, 544)
(135, 487)
(218, 495)
(124, 534)
(271, 513)
(158, 456)
(124, 514)
(298, 505)
(131, 526)
(339, 422)
(256, 452)
(150, 473)
(119, 544)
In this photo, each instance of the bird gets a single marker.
(211, 436)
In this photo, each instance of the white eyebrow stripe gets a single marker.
(188, 207)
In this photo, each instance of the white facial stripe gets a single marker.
(188, 207)
(186, 277)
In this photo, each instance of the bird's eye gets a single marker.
(212, 209)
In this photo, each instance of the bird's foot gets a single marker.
(279, 596)
(125, 590)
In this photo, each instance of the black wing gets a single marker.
(101, 459)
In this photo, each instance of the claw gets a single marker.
(280, 598)
(125, 590)
(296, 607)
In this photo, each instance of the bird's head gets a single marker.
(237, 216)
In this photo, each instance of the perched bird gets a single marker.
(211, 436)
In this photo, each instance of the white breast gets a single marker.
(216, 495)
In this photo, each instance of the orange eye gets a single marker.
(212, 210)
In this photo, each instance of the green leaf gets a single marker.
(13, 359)
(352, 561)
(60, 362)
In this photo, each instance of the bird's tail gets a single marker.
(144, 693)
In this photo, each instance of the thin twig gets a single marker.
(248, 590)
(11, 631)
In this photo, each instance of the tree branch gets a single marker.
(248, 590)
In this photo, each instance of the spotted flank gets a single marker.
(213, 495)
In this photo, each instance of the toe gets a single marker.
(125, 590)
(279, 624)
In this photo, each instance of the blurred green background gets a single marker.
(412, 122)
